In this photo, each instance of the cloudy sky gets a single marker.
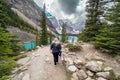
(74, 10)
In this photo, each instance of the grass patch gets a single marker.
(69, 75)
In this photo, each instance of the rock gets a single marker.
(93, 66)
(107, 69)
(72, 53)
(74, 76)
(89, 78)
(79, 63)
(117, 58)
(72, 79)
(82, 75)
(66, 50)
(26, 77)
(37, 47)
(14, 70)
(100, 78)
(99, 58)
(72, 68)
(103, 74)
(89, 73)
(22, 52)
(88, 56)
(20, 75)
(100, 63)
(68, 61)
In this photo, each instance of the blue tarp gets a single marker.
(30, 45)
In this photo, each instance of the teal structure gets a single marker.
(29, 46)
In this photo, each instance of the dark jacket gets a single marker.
(55, 48)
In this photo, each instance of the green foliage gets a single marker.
(8, 17)
(44, 33)
(4, 78)
(37, 38)
(93, 23)
(109, 38)
(73, 47)
(63, 33)
(4, 18)
(50, 37)
(6, 65)
(4, 43)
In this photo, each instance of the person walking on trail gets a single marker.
(56, 50)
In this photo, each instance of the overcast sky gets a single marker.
(74, 10)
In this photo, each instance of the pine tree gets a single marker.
(44, 33)
(37, 38)
(63, 32)
(4, 18)
(51, 36)
(109, 38)
(4, 43)
(94, 10)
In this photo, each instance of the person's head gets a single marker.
(56, 41)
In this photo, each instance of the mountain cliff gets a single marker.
(31, 13)
(71, 28)
(29, 9)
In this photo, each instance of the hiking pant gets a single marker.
(55, 55)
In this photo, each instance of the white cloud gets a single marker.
(53, 6)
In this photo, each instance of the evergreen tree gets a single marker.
(109, 38)
(50, 34)
(63, 33)
(4, 43)
(37, 38)
(4, 18)
(94, 9)
(44, 33)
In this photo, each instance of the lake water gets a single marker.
(71, 38)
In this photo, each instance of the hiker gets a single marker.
(56, 50)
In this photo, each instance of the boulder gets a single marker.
(72, 68)
(82, 75)
(89, 73)
(93, 66)
(100, 78)
(78, 63)
(74, 76)
(107, 69)
(103, 74)
(68, 61)
(89, 78)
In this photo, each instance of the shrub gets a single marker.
(4, 78)
(6, 65)
(73, 47)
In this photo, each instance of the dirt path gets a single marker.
(42, 67)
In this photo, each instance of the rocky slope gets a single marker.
(29, 9)
(23, 36)
(70, 27)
